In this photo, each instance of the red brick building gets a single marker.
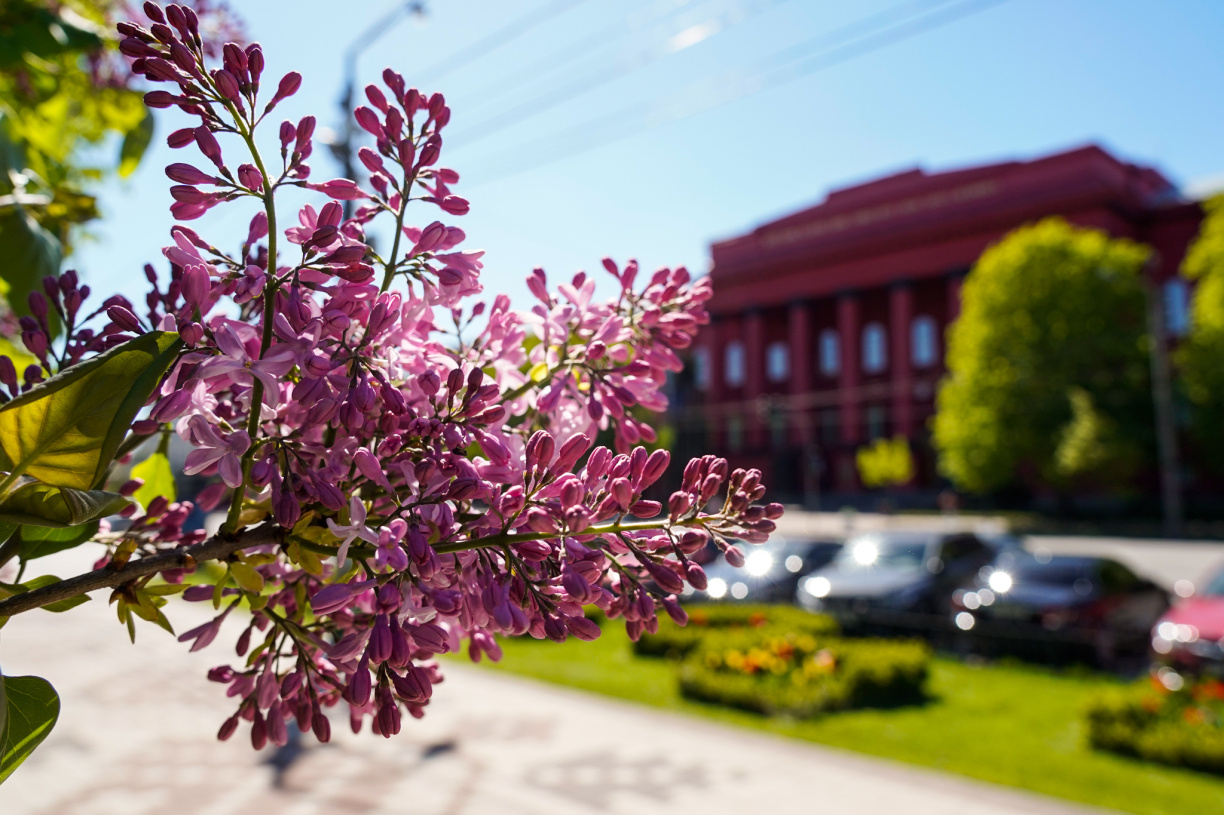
(827, 326)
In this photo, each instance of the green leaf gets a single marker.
(40, 504)
(33, 707)
(63, 605)
(65, 431)
(135, 143)
(9, 590)
(30, 253)
(40, 541)
(158, 477)
(247, 577)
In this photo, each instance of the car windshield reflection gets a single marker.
(871, 551)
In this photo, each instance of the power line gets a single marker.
(507, 33)
(720, 91)
(556, 60)
(688, 37)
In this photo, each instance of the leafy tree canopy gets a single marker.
(1201, 357)
(1048, 378)
(62, 90)
(885, 463)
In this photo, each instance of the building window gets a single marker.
(701, 368)
(733, 365)
(777, 429)
(735, 434)
(1177, 307)
(923, 341)
(830, 353)
(830, 426)
(877, 420)
(875, 352)
(777, 362)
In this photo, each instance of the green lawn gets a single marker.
(1008, 725)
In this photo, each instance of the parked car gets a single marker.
(1190, 635)
(1059, 606)
(894, 579)
(770, 572)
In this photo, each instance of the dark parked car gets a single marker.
(1190, 636)
(1059, 606)
(769, 574)
(894, 579)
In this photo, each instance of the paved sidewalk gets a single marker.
(136, 736)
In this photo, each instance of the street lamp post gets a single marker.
(342, 148)
(1162, 400)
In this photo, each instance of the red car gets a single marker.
(1191, 634)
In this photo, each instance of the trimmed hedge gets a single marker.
(801, 675)
(676, 641)
(1182, 728)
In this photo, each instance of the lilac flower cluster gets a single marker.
(432, 486)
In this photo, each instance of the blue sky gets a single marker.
(641, 128)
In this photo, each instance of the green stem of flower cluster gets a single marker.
(269, 306)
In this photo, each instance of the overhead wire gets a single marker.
(844, 44)
(562, 57)
(690, 36)
(502, 36)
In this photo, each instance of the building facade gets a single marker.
(828, 326)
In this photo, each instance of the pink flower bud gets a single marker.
(191, 334)
(250, 178)
(288, 86)
(124, 318)
(186, 174)
(208, 145)
(341, 189)
(255, 62)
(227, 85)
(158, 99)
(540, 521)
(582, 628)
(228, 727)
(368, 120)
(696, 576)
(646, 508)
(321, 727)
(181, 138)
(372, 161)
(455, 205)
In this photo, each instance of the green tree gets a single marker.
(63, 95)
(1048, 378)
(1201, 356)
(885, 463)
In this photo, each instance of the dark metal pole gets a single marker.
(344, 148)
(1162, 401)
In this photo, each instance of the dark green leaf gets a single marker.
(158, 477)
(40, 541)
(32, 28)
(65, 431)
(33, 708)
(40, 504)
(135, 143)
(3, 712)
(30, 253)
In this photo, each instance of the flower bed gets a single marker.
(676, 641)
(1182, 727)
(800, 674)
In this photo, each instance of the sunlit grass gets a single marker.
(1009, 725)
